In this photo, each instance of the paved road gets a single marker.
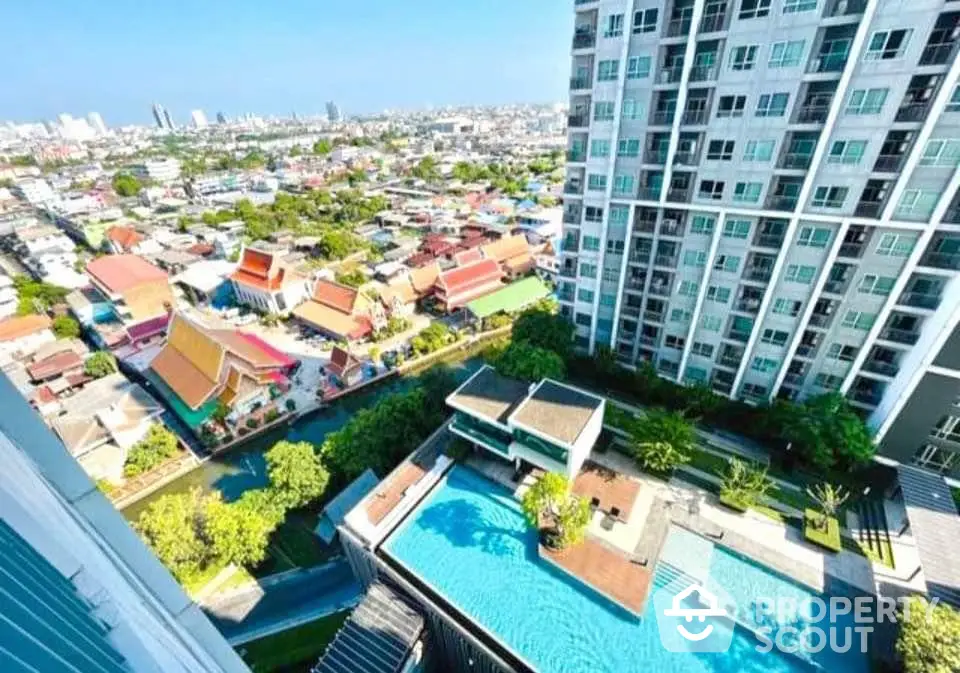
(284, 602)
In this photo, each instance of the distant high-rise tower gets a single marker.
(333, 112)
(221, 118)
(96, 121)
(168, 119)
(160, 115)
(199, 119)
(82, 592)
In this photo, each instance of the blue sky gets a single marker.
(274, 56)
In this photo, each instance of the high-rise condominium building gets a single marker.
(762, 197)
(199, 119)
(97, 123)
(333, 112)
(160, 116)
(81, 591)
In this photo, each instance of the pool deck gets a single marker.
(606, 570)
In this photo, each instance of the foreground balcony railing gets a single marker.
(768, 240)
(795, 160)
(584, 39)
(677, 27)
(782, 202)
(888, 163)
(578, 121)
(868, 209)
(920, 300)
(847, 7)
(578, 83)
(912, 112)
(942, 260)
(695, 117)
(880, 367)
(813, 114)
(866, 396)
(900, 336)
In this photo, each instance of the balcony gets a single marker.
(649, 194)
(653, 316)
(820, 320)
(660, 289)
(807, 350)
(666, 260)
(760, 274)
(828, 63)
(942, 260)
(686, 158)
(726, 360)
(574, 188)
(577, 121)
(853, 250)
(695, 117)
(794, 379)
(678, 27)
(888, 163)
(869, 396)
(670, 74)
(912, 112)
(645, 226)
(576, 157)
(937, 54)
(568, 272)
(655, 156)
(630, 311)
(578, 83)
(868, 209)
(813, 114)
(678, 195)
(795, 160)
(747, 305)
(738, 335)
(482, 433)
(847, 8)
(639, 257)
(584, 39)
(662, 118)
(768, 240)
(703, 73)
(571, 217)
(668, 367)
(671, 228)
(721, 387)
(647, 340)
(634, 284)
(880, 367)
(565, 295)
(920, 300)
(900, 336)
(782, 202)
(836, 286)
(713, 23)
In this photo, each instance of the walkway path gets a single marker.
(281, 602)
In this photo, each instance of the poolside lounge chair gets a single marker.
(607, 522)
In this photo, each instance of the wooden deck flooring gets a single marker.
(386, 496)
(612, 489)
(607, 570)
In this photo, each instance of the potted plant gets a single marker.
(560, 517)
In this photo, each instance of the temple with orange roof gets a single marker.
(512, 253)
(458, 286)
(198, 367)
(341, 312)
(264, 282)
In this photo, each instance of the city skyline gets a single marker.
(452, 55)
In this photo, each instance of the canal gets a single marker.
(243, 468)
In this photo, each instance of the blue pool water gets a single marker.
(470, 542)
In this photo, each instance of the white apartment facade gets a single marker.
(160, 170)
(762, 195)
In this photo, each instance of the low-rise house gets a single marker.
(264, 282)
(550, 425)
(341, 312)
(21, 336)
(9, 300)
(119, 239)
(62, 364)
(512, 253)
(139, 297)
(344, 367)
(457, 287)
(199, 367)
(99, 424)
(207, 282)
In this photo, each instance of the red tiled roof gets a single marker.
(44, 395)
(54, 365)
(462, 277)
(281, 358)
(21, 326)
(118, 273)
(202, 249)
(467, 256)
(259, 269)
(420, 259)
(125, 237)
(341, 362)
(340, 297)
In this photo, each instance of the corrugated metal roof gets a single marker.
(936, 528)
(377, 637)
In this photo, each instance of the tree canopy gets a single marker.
(524, 361)
(661, 440)
(296, 474)
(172, 527)
(65, 327)
(432, 338)
(100, 364)
(550, 502)
(125, 184)
(426, 169)
(157, 446)
(825, 430)
(36, 296)
(541, 326)
(929, 643)
(322, 147)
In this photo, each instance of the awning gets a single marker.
(377, 638)
(935, 524)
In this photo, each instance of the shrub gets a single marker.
(157, 446)
(252, 423)
(65, 327)
(745, 483)
(290, 405)
(243, 432)
(661, 440)
(271, 416)
(100, 364)
(821, 531)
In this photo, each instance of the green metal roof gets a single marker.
(514, 297)
(193, 418)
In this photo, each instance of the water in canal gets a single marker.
(240, 469)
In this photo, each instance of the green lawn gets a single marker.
(292, 651)
(294, 545)
(827, 537)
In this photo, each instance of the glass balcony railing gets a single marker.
(584, 39)
(900, 336)
(492, 438)
(813, 114)
(912, 112)
(942, 260)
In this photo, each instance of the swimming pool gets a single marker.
(470, 542)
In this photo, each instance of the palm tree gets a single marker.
(564, 515)
(830, 498)
(661, 440)
(745, 483)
